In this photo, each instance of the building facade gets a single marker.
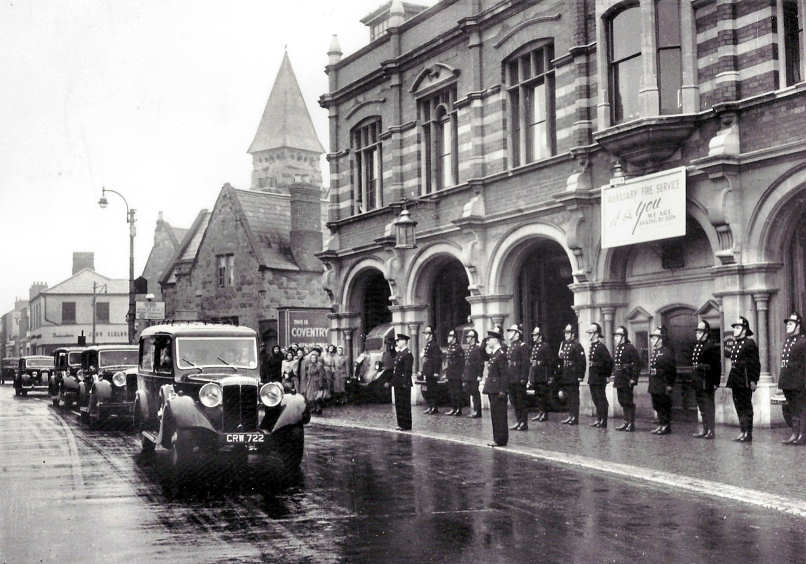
(500, 124)
(167, 240)
(255, 251)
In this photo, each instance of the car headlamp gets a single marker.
(119, 379)
(210, 394)
(271, 394)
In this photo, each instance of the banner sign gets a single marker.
(308, 327)
(646, 208)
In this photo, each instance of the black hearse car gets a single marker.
(8, 368)
(32, 374)
(199, 395)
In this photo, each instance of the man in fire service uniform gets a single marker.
(662, 375)
(455, 365)
(571, 369)
(541, 364)
(401, 381)
(792, 378)
(707, 371)
(518, 374)
(745, 369)
(495, 386)
(472, 372)
(626, 368)
(600, 367)
(431, 368)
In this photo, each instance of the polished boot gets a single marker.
(665, 430)
(655, 430)
(573, 421)
(622, 427)
(603, 424)
(515, 427)
(801, 440)
(741, 437)
(701, 434)
(566, 420)
(791, 440)
(630, 427)
(538, 417)
(458, 413)
(450, 412)
(427, 411)
(709, 435)
(544, 417)
(476, 414)
(747, 437)
(523, 426)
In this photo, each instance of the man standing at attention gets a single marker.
(541, 363)
(707, 371)
(745, 369)
(518, 374)
(627, 368)
(600, 366)
(401, 381)
(456, 363)
(473, 369)
(571, 366)
(431, 368)
(662, 375)
(495, 386)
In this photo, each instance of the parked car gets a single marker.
(66, 363)
(32, 374)
(8, 368)
(101, 387)
(366, 383)
(199, 395)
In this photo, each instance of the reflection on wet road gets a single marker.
(75, 495)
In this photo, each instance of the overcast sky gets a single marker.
(156, 99)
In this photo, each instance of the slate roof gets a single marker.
(81, 283)
(286, 121)
(268, 223)
(188, 247)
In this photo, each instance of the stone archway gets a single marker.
(369, 299)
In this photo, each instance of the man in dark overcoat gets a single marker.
(401, 382)
(706, 367)
(745, 369)
(541, 365)
(571, 371)
(600, 367)
(472, 372)
(455, 360)
(626, 368)
(518, 374)
(662, 376)
(792, 379)
(431, 368)
(495, 386)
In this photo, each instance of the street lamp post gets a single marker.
(103, 202)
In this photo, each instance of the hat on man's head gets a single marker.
(495, 334)
(706, 325)
(452, 333)
(794, 316)
(595, 328)
(515, 328)
(536, 331)
(402, 336)
(742, 322)
(473, 333)
(658, 332)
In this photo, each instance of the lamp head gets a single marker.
(103, 202)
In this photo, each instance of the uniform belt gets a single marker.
(652, 371)
(701, 366)
(567, 363)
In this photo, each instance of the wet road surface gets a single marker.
(75, 495)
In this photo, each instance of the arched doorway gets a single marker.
(449, 292)
(542, 296)
(795, 262)
(375, 302)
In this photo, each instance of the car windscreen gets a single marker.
(74, 359)
(117, 358)
(39, 363)
(195, 352)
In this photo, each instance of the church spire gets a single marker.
(286, 122)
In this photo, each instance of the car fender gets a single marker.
(103, 390)
(294, 407)
(182, 413)
(25, 379)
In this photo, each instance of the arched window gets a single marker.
(439, 166)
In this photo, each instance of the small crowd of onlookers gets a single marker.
(319, 375)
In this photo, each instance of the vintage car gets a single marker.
(66, 363)
(8, 368)
(199, 394)
(32, 374)
(101, 387)
(367, 383)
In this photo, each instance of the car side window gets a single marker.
(147, 354)
(163, 358)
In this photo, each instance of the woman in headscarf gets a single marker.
(329, 362)
(274, 365)
(340, 376)
(313, 382)
(289, 369)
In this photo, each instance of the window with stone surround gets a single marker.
(365, 166)
(790, 42)
(439, 167)
(625, 58)
(225, 270)
(529, 75)
(102, 312)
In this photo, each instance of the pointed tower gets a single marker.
(285, 148)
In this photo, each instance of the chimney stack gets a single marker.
(83, 260)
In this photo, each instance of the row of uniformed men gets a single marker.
(513, 369)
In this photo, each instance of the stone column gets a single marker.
(690, 91)
(414, 334)
(762, 303)
(608, 315)
(648, 93)
(348, 345)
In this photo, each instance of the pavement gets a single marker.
(763, 473)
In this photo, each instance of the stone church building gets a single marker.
(255, 251)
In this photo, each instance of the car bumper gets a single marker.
(111, 408)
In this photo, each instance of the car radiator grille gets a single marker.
(239, 407)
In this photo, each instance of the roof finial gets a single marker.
(334, 51)
(396, 13)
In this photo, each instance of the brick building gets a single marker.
(502, 123)
(255, 251)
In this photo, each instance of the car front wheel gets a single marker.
(181, 458)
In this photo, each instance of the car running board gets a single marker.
(84, 409)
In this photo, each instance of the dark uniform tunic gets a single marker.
(571, 369)
(662, 373)
(600, 367)
(792, 381)
(626, 368)
(471, 375)
(541, 364)
(432, 367)
(455, 366)
(745, 369)
(401, 381)
(495, 386)
(517, 375)
(707, 371)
